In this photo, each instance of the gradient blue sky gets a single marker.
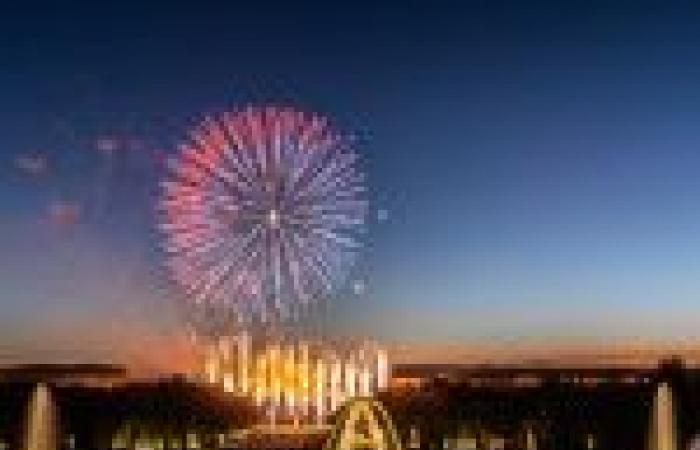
(539, 162)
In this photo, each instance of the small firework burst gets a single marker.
(32, 164)
(263, 212)
(64, 213)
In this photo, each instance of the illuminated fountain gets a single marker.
(41, 420)
(363, 423)
(663, 422)
(298, 381)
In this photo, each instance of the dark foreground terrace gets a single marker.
(438, 407)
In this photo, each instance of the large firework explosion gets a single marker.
(263, 212)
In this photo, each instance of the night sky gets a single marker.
(535, 167)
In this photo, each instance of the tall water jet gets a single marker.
(40, 432)
(663, 422)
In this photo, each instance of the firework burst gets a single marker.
(263, 212)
